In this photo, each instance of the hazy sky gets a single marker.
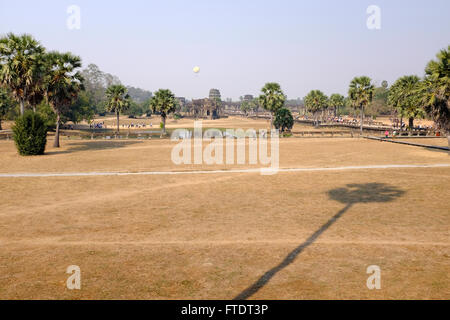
(240, 45)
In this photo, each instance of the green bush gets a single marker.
(283, 120)
(177, 116)
(47, 114)
(30, 134)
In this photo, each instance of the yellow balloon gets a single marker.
(196, 69)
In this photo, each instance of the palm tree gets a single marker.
(336, 101)
(361, 93)
(272, 99)
(164, 103)
(436, 90)
(118, 100)
(404, 95)
(21, 67)
(316, 101)
(62, 84)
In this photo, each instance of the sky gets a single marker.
(240, 45)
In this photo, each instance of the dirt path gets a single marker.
(57, 242)
(255, 170)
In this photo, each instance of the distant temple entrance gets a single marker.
(205, 108)
(209, 108)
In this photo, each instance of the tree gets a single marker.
(47, 114)
(283, 120)
(96, 82)
(272, 99)
(6, 105)
(147, 108)
(63, 82)
(435, 90)
(379, 104)
(135, 110)
(30, 134)
(21, 67)
(164, 103)
(139, 95)
(316, 101)
(404, 95)
(80, 110)
(336, 101)
(246, 107)
(361, 93)
(118, 100)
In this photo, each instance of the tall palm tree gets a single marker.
(404, 95)
(436, 91)
(62, 84)
(21, 67)
(118, 100)
(361, 93)
(316, 101)
(336, 100)
(164, 103)
(272, 99)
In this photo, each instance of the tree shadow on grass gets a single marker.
(350, 195)
(94, 145)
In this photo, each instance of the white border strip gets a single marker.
(256, 170)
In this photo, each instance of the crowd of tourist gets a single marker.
(395, 122)
(99, 125)
(137, 125)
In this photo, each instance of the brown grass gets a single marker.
(212, 236)
(442, 142)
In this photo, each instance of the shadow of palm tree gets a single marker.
(352, 194)
(94, 145)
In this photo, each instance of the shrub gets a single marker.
(30, 134)
(177, 116)
(47, 114)
(283, 120)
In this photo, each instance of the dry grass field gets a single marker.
(212, 236)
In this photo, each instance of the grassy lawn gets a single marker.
(213, 236)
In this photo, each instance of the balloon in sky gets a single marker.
(196, 69)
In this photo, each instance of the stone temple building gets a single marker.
(205, 108)
(209, 108)
(214, 94)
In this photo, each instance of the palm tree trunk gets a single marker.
(56, 143)
(1, 124)
(117, 114)
(411, 124)
(22, 107)
(271, 120)
(362, 118)
(163, 118)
